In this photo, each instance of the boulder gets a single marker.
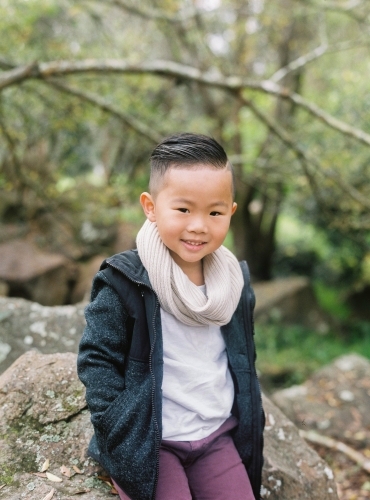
(4, 289)
(292, 469)
(28, 325)
(43, 416)
(334, 401)
(34, 274)
(82, 289)
(289, 300)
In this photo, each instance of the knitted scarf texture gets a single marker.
(180, 296)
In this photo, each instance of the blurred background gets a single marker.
(89, 87)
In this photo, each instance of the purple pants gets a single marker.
(207, 469)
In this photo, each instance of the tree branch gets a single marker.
(17, 75)
(299, 63)
(348, 9)
(287, 140)
(333, 444)
(306, 159)
(5, 64)
(150, 12)
(171, 69)
(132, 122)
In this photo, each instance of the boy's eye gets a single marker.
(215, 213)
(183, 210)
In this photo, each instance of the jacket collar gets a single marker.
(129, 263)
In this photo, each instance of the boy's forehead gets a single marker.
(191, 175)
(189, 171)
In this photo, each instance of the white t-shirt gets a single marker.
(198, 390)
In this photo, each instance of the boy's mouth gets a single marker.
(193, 244)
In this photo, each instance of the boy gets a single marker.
(167, 355)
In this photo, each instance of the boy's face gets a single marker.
(192, 210)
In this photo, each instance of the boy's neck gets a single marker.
(193, 270)
(195, 275)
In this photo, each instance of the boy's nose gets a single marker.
(197, 225)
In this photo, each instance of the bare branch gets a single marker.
(333, 444)
(348, 9)
(5, 64)
(299, 63)
(101, 103)
(150, 12)
(171, 69)
(16, 75)
(307, 159)
(288, 141)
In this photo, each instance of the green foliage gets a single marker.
(331, 301)
(287, 355)
(59, 152)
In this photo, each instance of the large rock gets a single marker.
(37, 275)
(86, 272)
(27, 325)
(292, 469)
(289, 300)
(334, 401)
(43, 416)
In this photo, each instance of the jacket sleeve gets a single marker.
(103, 347)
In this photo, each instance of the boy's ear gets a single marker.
(148, 205)
(233, 209)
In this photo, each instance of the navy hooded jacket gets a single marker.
(120, 362)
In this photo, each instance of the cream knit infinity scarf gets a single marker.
(181, 297)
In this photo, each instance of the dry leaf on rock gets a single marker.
(39, 474)
(76, 469)
(113, 491)
(53, 478)
(2, 486)
(80, 492)
(45, 465)
(50, 495)
(104, 478)
(66, 471)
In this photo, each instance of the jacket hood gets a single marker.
(130, 264)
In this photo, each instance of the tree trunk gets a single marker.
(254, 223)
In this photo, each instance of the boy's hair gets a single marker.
(186, 150)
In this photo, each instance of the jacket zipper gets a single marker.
(153, 402)
(257, 444)
(157, 444)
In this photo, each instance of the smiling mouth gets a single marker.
(194, 243)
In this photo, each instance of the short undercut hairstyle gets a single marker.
(186, 151)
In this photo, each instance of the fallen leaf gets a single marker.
(39, 474)
(105, 478)
(113, 491)
(80, 492)
(53, 478)
(50, 495)
(76, 469)
(66, 471)
(45, 465)
(2, 486)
